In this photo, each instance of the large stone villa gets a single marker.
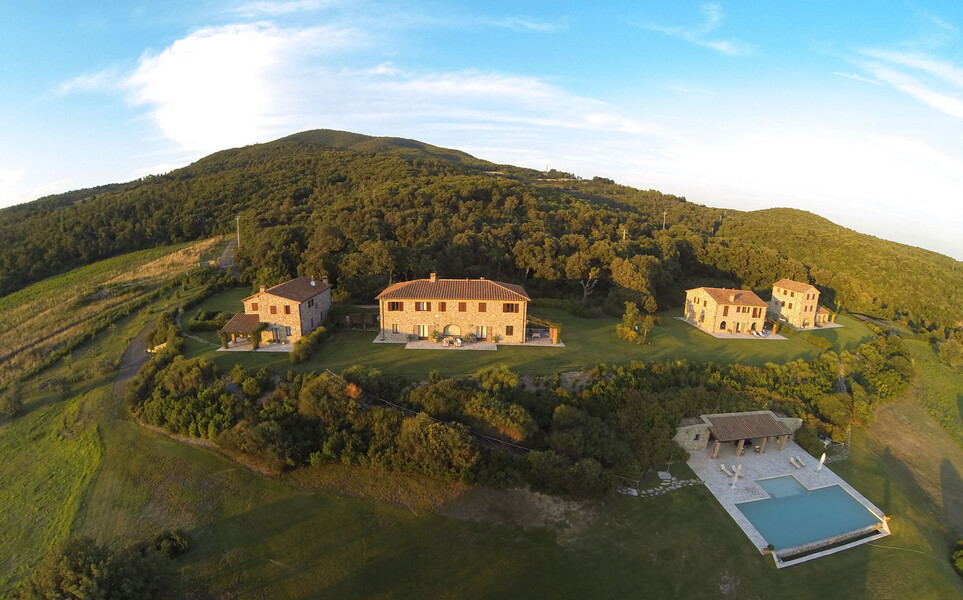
(722, 310)
(289, 311)
(797, 304)
(453, 307)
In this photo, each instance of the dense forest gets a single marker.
(366, 210)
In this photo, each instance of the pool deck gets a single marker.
(772, 463)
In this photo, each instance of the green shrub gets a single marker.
(819, 342)
(303, 348)
(171, 543)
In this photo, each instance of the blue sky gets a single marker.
(850, 110)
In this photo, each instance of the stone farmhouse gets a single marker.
(722, 310)
(289, 311)
(455, 308)
(797, 304)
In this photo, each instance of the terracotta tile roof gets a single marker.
(454, 289)
(241, 323)
(731, 428)
(299, 289)
(822, 310)
(795, 286)
(739, 297)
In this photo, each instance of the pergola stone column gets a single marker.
(739, 447)
(715, 449)
(762, 446)
(782, 442)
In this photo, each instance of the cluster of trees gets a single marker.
(80, 568)
(367, 210)
(571, 438)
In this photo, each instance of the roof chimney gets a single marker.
(433, 277)
(263, 288)
(732, 296)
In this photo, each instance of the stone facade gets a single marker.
(720, 310)
(455, 308)
(795, 303)
(288, 319)
(693, 434)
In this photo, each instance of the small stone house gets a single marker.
(797, 304)
(453, 307)
(289, 311)
(722, 310)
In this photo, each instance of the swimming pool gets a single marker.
(794, 515)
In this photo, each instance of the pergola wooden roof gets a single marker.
(732, 428)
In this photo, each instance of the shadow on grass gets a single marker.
(952, 488)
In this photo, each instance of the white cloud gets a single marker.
(945, 103)
(937, 68)
(223, 86)
(253, 9)
(91, 82)
(9, 179)
(856, 77)
(527, 24)
(699, 35)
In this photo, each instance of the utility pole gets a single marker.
(664, 213)
(238, 231)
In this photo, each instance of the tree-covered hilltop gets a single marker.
(364, 210)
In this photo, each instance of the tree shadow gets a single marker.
(952, 488)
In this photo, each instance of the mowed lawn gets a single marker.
(588, 342)
(257, 537)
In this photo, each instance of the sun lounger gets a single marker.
(800, 462)
(725, 469)
(792, 461)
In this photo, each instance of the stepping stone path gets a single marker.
(669, 484)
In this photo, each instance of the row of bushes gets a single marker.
(208, 321)
(303, 348)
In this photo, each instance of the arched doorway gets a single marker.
(453, 330)
(722, 326)
(753, 326)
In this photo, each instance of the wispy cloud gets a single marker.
(91, 82)
(856, 77)
(951, 105)
(281, 7)
(527, 24)
(701, 34)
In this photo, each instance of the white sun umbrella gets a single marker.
(822, 459)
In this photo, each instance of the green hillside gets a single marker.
(862, 272)
(364, 210)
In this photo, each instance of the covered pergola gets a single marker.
(743, 427)
(241, 325)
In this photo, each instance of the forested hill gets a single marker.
(365, 209)
(865, 270)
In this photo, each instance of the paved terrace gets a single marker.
(766, 334)
(772, 463)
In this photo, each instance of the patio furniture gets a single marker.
(458, 342)
(446, 342)
(725, 469)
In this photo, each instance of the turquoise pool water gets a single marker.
(795, 515)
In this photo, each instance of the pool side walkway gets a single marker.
(772, 463)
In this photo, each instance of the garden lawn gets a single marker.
(588, 342)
